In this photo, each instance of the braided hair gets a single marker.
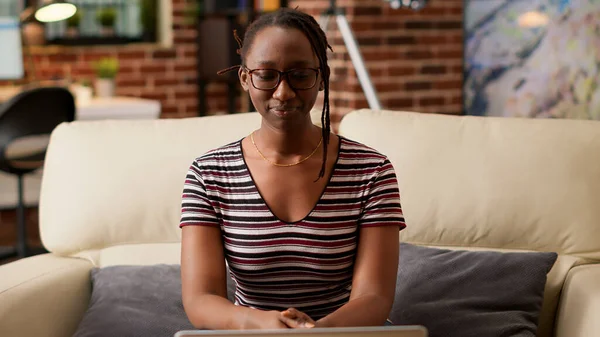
(293, 18)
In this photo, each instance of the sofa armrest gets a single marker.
(44, 295)
(579, 308)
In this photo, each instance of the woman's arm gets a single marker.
(204, 285)
(373, 282)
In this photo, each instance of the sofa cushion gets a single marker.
(136, 301)
(470, 293)
(452, 293)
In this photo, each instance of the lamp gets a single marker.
(45, 11)
(55, 10)
(49, 11)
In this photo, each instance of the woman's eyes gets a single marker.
(266, 76)
(300, 74)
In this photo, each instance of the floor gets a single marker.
(8, 229)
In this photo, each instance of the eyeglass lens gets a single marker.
(298, 78)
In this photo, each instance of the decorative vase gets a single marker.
(105, 87)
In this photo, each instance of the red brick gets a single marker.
(456, 100)
(185, 94)
(457, 69)
(401, 40)
(415, 86)
(418, 54)
(131, 55)
(130, 82)
(449, 84)
(186, 67)
(449, 54)
(169, 108)
(369, 41)
(419, 25)
(95, 56)
(388, 87)
(60, 58)
(359, 104)
(390, 25)
(400, 103)
(433, 69)
(162, 54)
(161, 82)
(190, 53)
(365, 11)
(184, 39)
(81, 71)
(153, 68)
(361, 26)
(402, 70)
(432, 39)
(449, 25)
(431, 101)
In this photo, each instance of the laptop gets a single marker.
(380, 331)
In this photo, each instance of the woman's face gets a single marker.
(281, 49)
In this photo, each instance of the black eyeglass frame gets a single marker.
(281, 74)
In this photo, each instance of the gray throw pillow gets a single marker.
(136, 301)
(470, 293)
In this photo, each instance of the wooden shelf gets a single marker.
(217, 50)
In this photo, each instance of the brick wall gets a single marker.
(414, 59)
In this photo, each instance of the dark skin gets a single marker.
(286, 136)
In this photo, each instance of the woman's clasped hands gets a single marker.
(296, 319)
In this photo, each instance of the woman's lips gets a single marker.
(282, 112)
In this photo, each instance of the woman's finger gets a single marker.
(296, 319)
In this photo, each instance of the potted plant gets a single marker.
(73, 24)
(106, 17)
(106, 70)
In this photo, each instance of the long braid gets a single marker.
(292, 18)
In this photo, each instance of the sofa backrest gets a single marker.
(522, 184)
(465, 181)
(109, 183)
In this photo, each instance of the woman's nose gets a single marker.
(284, 92)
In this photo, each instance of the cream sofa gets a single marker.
(111, 196)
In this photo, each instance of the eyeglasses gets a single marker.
(269, 79)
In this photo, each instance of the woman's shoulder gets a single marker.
(222, 154)
(357, 150)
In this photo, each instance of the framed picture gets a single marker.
(532, 58)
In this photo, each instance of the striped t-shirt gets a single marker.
(307, 264)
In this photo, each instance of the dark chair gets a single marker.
(24, 121)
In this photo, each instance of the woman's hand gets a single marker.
(296, 319)
(259, 319)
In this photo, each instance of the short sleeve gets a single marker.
(382, 200)
(196, 208)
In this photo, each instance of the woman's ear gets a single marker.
(244, 78)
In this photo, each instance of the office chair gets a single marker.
(26, 121)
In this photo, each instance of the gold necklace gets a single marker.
(284, 165)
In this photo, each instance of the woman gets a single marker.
(286, 205)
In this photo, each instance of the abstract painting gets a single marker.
(532, 58)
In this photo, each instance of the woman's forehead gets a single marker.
(277, 46)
